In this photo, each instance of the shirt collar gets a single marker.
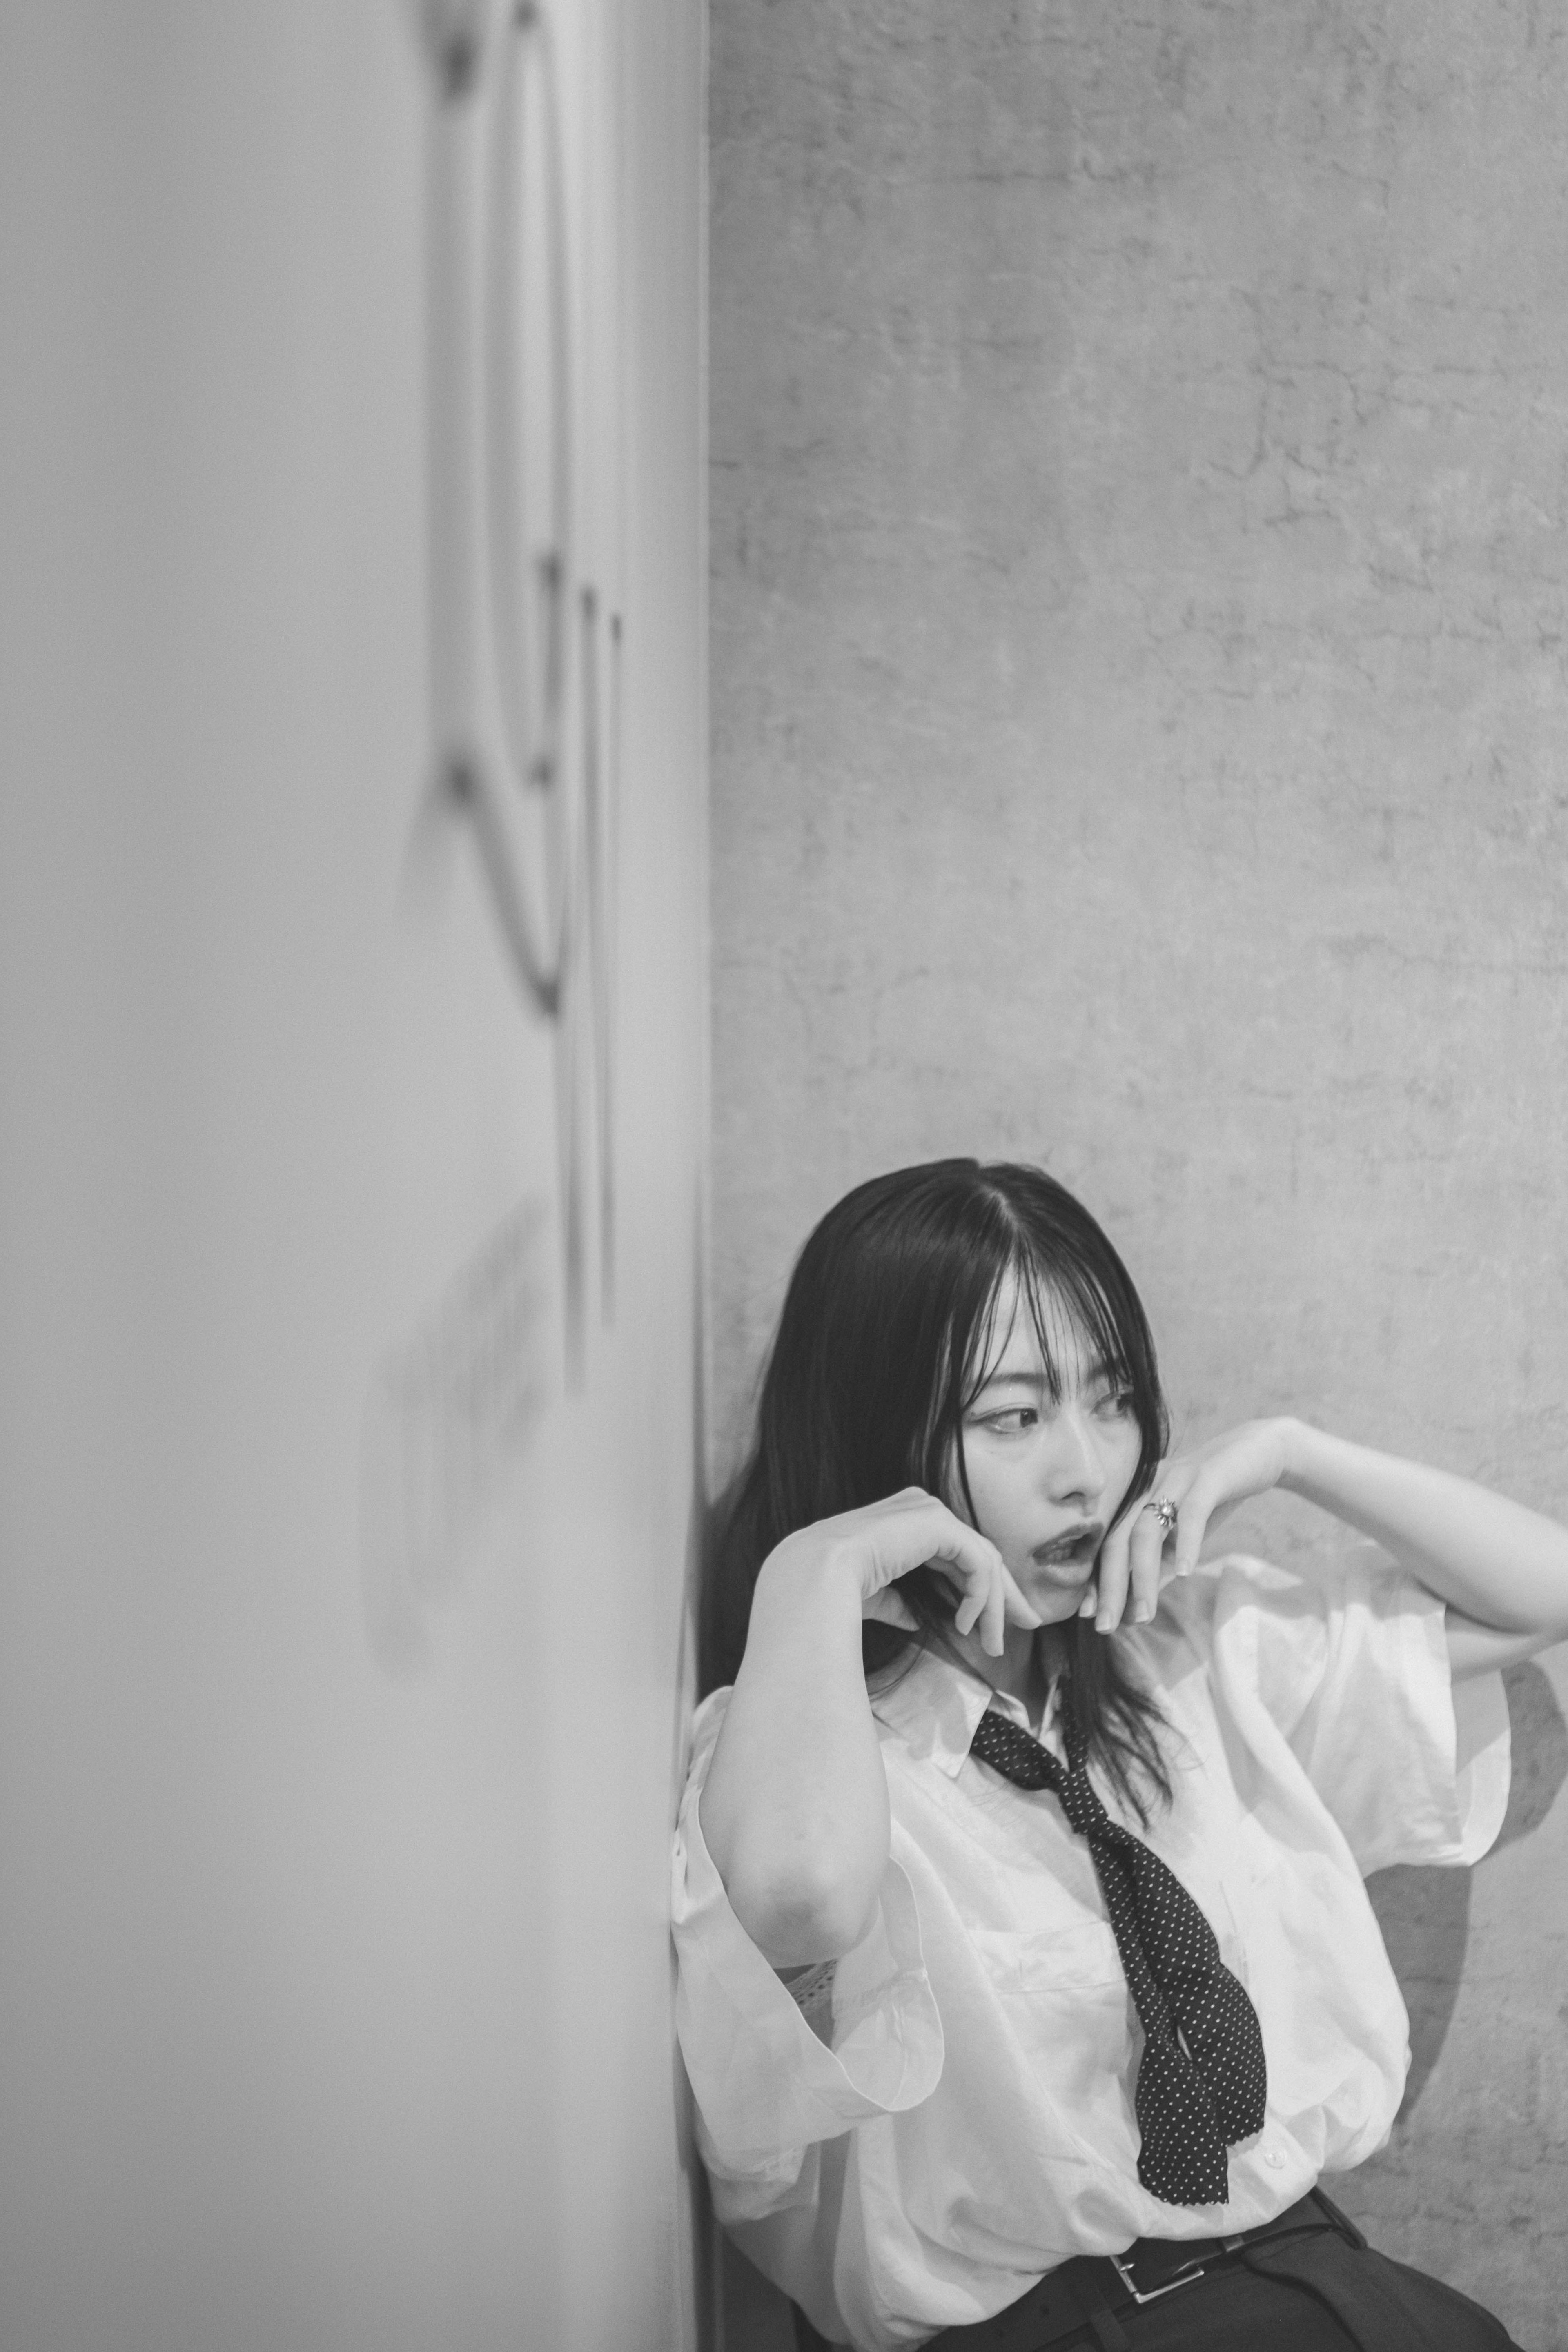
(934, 1706)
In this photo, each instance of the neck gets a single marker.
(1028, 1665)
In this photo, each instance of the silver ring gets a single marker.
(1164, 1510)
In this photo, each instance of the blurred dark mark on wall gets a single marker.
(536, 785)
(454, 35)
(449, 1414)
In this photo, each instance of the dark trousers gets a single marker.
(1316, 2294)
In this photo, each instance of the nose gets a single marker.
(1074, 1469)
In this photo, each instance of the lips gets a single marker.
(1074, 1547)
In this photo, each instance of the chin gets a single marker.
(1052, 1604)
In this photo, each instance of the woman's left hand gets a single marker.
(1139, 1555)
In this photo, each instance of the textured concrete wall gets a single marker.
(1140, 452)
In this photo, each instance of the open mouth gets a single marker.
(1075, 1547)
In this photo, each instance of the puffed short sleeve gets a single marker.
(1351, 1666)
(766, 2081)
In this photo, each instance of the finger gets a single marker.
(994, 1615)
(990, 1596)
(1005, 1605)
(914, 1529)
(1192, 1526)
(1016, 1609)
(984, 1609)
(967, 1562)
(1145, 1550)
(978, 1576)
(1111, 1575)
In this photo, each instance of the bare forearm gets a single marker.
(795, 1808)
(1496, 1563)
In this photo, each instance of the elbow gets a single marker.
(1477, 1648)
(799, 1919)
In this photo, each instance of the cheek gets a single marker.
(1004, 1476)
(1121, 1466)
(982, 1487)
(1003, 1498)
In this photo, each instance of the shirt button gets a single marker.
(1272, 2155)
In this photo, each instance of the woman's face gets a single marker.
(1048, 1476)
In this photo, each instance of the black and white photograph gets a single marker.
(784, 1150)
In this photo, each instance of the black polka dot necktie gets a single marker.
(1201, 2081)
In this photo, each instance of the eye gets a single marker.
(1117, 1405)
(1011, 1420)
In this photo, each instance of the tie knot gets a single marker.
(1011, 1750)
(1007, 1747)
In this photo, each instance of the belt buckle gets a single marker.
(1188, 2275)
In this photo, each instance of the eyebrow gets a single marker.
(1098, 1370)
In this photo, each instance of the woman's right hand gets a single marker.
(874, 1547)
(795, 1809)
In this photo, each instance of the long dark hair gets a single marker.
(886, 1336)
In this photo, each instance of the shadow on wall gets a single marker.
(1425, 1915)
(705, 2252)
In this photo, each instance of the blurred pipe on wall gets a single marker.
(353, 1078)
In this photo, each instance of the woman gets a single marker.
(1018, 1892)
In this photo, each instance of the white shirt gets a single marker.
(946, 2113)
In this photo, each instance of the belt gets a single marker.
(1087, 2295)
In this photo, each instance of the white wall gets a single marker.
(334, 1969)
